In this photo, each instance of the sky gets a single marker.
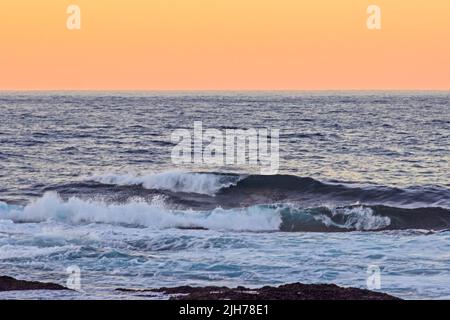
(224, 45)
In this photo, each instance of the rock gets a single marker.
(293, 291)
(10, 284)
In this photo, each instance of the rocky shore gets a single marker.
(293, 291)
(10, 284)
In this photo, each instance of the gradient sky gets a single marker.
(224, 45)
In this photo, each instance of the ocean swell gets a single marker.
(176, 181)
(257, 218)
(230, 190)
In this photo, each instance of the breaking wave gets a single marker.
(273, 188)
(141, 214)
(176, 181)
(258, 218)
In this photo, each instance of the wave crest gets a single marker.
(142, 214)
(257, 218)
(232, 190)
(176, 181)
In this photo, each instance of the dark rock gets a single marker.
(294, 291)
(10, 284)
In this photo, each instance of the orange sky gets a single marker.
(224, 45)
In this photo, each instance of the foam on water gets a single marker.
(289, 217)
(358, 218)
(8, 251)
(177, 181)
(140, 213)
(412, 265)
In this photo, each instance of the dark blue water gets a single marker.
(87, 179)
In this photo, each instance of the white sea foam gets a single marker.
(177, 181)
(19, 251)
(359, 218)
(139, 213)
(154, 215)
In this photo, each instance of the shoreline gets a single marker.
(13, 284)
(291, 291)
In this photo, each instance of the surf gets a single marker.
(281, 217)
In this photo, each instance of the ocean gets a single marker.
(87, 183)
